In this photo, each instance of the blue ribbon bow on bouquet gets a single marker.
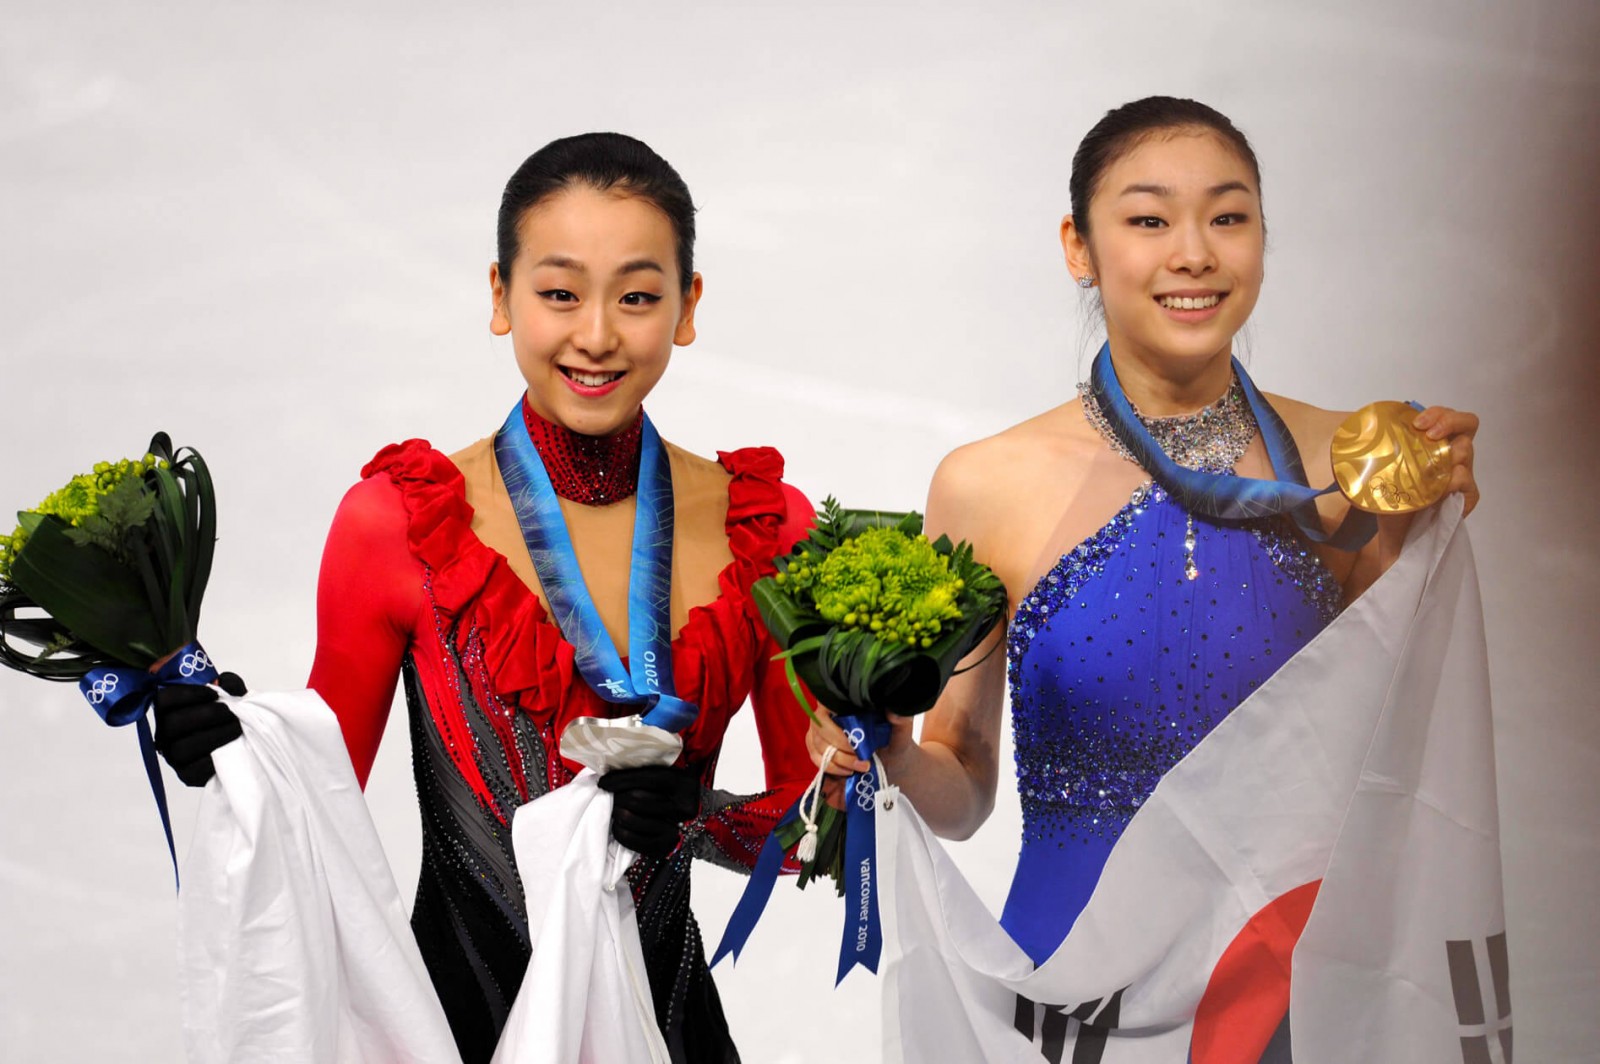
(123, 696)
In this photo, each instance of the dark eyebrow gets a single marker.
(562, 262)
(1165, 190)
(1154, 190)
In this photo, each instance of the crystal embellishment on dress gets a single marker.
(1211, 440)
(1112, 683)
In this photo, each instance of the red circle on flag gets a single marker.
(1247, 997)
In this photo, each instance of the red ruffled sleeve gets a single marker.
(737, 826)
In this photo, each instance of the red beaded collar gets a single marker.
(592, 470)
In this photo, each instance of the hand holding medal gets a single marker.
(1385, 462)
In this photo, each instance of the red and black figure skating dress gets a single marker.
(408, 588)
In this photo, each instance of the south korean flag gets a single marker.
(1319, 880)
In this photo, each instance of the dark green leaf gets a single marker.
(39, 645)
(787, 620)
(201, 500)
(90, 593)
(855, 522)
(167, 534)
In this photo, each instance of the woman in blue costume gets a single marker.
(1138, 623)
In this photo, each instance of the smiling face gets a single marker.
(593, 306)
(1175, 244)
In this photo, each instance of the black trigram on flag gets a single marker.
(1084, 1027)
(1485, 1020)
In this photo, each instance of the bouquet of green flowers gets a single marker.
(101, 584)
(874, 618)
(872, 615)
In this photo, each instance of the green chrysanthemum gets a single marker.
(888, 583)
(9, 545)
(100, 507)
(872, 614)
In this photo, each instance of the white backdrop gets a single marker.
(267, 230)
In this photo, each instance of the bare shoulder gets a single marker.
(1312, 428)
(699, 487)
(968, 475)
(983, 481)
(476, 462)
(1308, 423)
(694, 465)
(694, 473)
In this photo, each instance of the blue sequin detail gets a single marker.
(1110, 690)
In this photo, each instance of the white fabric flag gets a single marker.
(1359, 778)
(293, 943)
(586, 997)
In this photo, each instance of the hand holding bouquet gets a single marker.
(874, 618)
(102, 582)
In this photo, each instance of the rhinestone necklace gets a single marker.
(1211, 440)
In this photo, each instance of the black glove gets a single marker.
(649, 806)
(191, 723)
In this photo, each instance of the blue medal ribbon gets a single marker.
(1227, 496)
(862, 941)
(123, 696)
(647, 681)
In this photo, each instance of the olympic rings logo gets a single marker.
(866, 793)
(190, 664)
(857, 736)
(103, 689)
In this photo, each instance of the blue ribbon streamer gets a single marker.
(1227, 496)
(648, 678)
(123, 696)
(757, 891)
(862, 941)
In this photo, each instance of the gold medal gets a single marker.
(1384, 465)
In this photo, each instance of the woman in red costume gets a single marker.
(427, 576)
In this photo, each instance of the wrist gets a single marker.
(901, 750)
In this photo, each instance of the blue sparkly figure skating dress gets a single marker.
(1129, 651)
